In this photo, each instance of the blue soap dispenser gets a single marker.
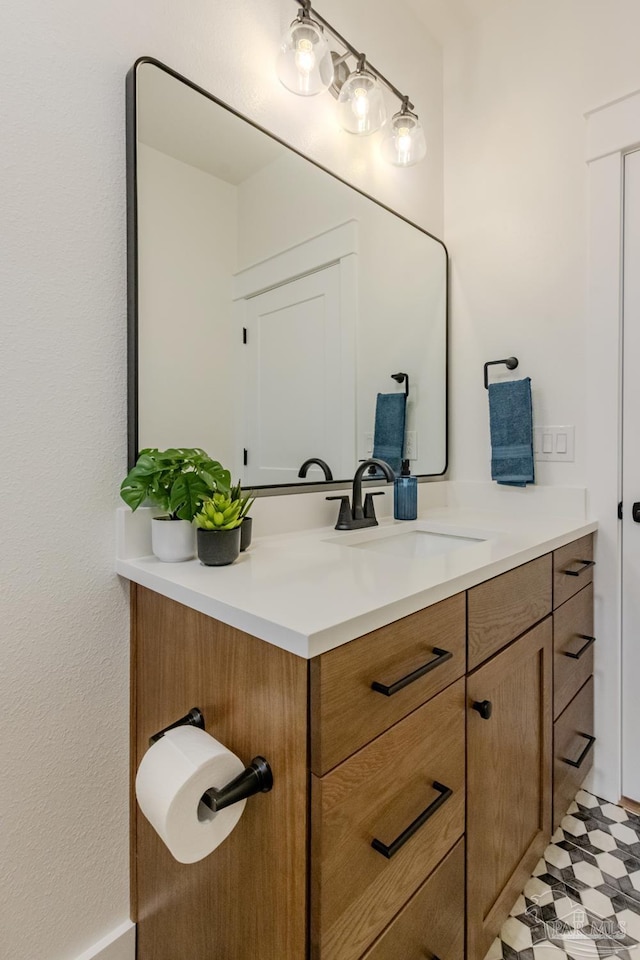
(405, 495)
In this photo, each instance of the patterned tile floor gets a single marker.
(583, 899)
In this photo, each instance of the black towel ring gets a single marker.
(511, 363)
(402, 378)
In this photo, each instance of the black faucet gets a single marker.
(326, 469)
(354, 516)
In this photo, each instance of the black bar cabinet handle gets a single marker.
(585, 566)
(583, 756)
(388, 691)
(392, 849)
(583, 649)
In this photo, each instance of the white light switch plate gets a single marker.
(554, 443)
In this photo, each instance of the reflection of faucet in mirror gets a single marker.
(326, 469)
(354, 516)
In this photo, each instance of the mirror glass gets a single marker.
(271, 303)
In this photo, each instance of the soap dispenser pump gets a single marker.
(405, 495)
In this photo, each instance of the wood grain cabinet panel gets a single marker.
(572, 647)
(503, 608)
(432, 923)
(572, 569)
(347, 713)
(508, 780)
(572, 750)
(252, 889)
(377, 794)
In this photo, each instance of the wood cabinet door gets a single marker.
(508, 780)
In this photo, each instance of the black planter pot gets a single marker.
(218, 548)
(245, 533)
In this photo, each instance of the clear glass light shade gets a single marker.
(403, 141)
(361, 106)
(304, 62)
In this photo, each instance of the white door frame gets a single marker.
(612, 131)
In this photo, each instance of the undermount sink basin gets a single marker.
(415, 543)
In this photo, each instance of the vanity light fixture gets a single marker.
(403, 141)
(361, 102)
(307, 66)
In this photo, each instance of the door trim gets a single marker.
(318, 252)
(611, 131)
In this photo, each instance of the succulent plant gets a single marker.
(247, 500)
(220, 513)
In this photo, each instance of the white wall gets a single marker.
(187, 256)
(64, 677)
(516, 89)
(517, 85)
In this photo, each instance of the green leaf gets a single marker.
(134, 492)
(187, 493)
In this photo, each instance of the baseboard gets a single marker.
(120, 944)
(631, 805)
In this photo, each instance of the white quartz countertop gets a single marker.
(311, 591)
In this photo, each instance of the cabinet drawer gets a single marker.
(346, 713)
(572, 750)
(432, 923)
(503, 608)
(572, 647)
(572, 569)
(378, 794)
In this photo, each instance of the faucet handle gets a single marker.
(369, 510)
(344, 516)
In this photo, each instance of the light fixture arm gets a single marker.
(306, 10)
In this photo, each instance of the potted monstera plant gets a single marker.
(178, 481)
(219, 529)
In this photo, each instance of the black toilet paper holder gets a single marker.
(256, 778)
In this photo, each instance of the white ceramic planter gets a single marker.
(173, 540)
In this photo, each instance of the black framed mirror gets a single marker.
(276, 313)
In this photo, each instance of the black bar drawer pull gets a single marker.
(389, 851)
(583, 756)
(388, 691)
(585, 564)
(583, 649)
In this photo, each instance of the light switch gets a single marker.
(554, 443)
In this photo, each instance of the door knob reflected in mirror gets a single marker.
(484, 708)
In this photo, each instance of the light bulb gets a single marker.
(403, 142)
(304, 63)
(305, 57)
(361, 106)
(403, 145)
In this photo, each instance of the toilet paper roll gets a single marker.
(172, 777)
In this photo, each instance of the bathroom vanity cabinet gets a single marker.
(418, 770)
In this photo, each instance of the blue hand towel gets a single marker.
(388, 437)
(511, 423)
